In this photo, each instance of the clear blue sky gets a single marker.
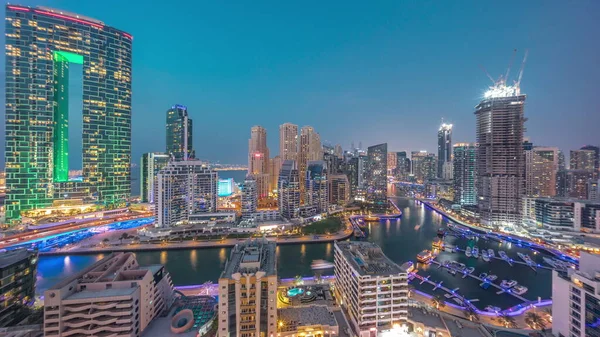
(355, 70)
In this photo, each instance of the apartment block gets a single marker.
(248, 291)
(113, 297)
(371, 288)
(576, 299)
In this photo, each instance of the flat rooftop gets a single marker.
(14, 257)
(88, 294)
(295, 317)
(368, 259)
(251, 256)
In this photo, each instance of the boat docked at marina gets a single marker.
(492, 308)
(491, 253)
(485, 256)
(468, 252)
(475, 252)
(549, 261)
(492, 277)
(425, 256)
(483, 276)
(525, 258)
(508, 284)
(470, 270)
(519, 289)
(503, 255)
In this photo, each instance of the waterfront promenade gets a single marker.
(116, 246)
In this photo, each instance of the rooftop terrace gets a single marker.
(295, 317)
(368, 259)
(251, 256)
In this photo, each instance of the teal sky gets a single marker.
(374, 72)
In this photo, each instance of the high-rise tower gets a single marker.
(288, 141)
(258, 153)
(541, 168)
(310, 149)
(42, 45)
(444, 157)
(465, 191)
(377, 175)
(500, 155)
(179, 133)
(152, 163)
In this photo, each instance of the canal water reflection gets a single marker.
(401, 240)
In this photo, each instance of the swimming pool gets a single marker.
(295, 292)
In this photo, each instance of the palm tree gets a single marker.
(471, 314)
(535, 321)
(438, 301)
(507, 321)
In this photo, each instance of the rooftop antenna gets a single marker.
(518, 83)
(512, 58)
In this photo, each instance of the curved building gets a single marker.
(42, 44)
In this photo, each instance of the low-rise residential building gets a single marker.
(114, 296)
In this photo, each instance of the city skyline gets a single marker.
(343, 106)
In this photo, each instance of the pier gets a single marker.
(479, 279)
(509, 260)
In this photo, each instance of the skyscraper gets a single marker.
(424, 165)
(596, 150)
(583, 160)
(316, 185)
(310, 149)
(152, 163)
(42, 46)
(392, 161)
(274, 168)
(258, 160)
(184, 188)
(289, 190)
(541, 168)
(402, 166)
(249, 197)
(258, 152)
(288, 141)
(352, 173)
(179, 133)
(465, 190)
(500, 155)
(377, 175)
(444, 157)
(339, 189)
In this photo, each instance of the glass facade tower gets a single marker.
(41, 44)
(179, 133)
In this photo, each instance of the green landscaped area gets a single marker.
(325, 226)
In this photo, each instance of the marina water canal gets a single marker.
(401, 240)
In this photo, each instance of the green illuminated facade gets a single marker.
(41, 46)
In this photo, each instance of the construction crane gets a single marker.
(488, 74)
(512, 59)
(518, 82)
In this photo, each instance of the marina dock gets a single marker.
(479, 279)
